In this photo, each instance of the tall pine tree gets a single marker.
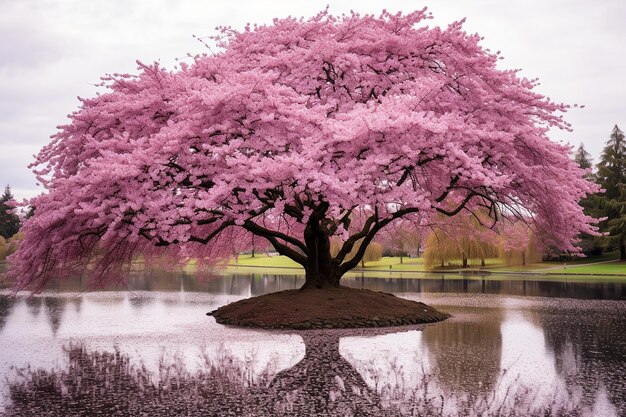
(9, 222)
(582, 157)
(611, 176)
(590, 245)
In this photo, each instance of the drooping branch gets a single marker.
(351, 241)
(376, 225)
(265, 232)
(213, 234)
(372, 225)
(450, 187)
(460, 207)
(286, 250)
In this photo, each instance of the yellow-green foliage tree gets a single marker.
(442, 247)
(527, 255)
(3, 248)
(465, 237)
(13, 243)
(373, 252)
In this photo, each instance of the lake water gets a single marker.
(512, 347)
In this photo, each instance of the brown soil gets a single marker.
(338, 307)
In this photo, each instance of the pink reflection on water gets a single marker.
(481, 360)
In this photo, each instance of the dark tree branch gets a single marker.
(346, 248)
(258, 230)
(367, 239)
(459, 207)
(286, 250)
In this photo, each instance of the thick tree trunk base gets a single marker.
(328, 307)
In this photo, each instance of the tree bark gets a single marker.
(622, 249)
(321, 270)
(317, 278)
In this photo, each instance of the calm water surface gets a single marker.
(511, 348)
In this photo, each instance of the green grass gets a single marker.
(606, 268)
(246, 262)
(607, 256)
(413, 264)
(281, 265)
(472, 263)
(523, 268)
(264, 260)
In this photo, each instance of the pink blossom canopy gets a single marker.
(289, 130)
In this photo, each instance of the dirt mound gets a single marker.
(335, 307)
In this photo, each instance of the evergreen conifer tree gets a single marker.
(9, 222)
(611, 175)
(582, 157)
(591, 245)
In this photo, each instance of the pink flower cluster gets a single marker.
(297, 122)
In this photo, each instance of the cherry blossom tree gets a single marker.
(518, 245)
(284, 133)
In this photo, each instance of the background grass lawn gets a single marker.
(605, 268)
(264, 260)
(279, 265)
(277, 261)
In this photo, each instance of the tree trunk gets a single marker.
(622, 249)
(319, 368)
(321, 279)
(464, 262)
(321, 269)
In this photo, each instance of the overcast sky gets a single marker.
(53, 51)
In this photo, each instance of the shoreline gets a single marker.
(469, 271)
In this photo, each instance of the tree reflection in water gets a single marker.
(467, 354)
(322, 383)
(108, 384)
(54, 308)
(589, 356)
(6, 305)
(33, 303)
